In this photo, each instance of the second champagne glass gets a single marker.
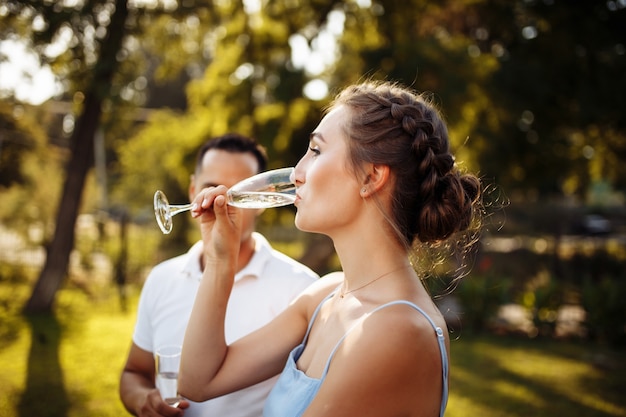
(167, 363)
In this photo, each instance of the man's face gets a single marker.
(220, 167)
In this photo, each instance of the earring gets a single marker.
(363, 190)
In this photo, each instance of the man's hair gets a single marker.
(235, 143)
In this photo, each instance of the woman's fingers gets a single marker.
(204, 200)
(219, 206)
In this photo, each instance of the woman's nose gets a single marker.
(297, 175)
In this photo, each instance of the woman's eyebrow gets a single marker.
(318, 136)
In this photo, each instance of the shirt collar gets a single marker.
(254, 268)
(260, 257)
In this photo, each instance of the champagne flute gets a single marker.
(268, 189)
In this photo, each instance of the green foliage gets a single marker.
(561, 65)
(603, 301)
(480, 297)
(143, 246)
(537, 103)
(12, 281)
(16, 140)
(152, 160)
(533, 128)
(244, 88)
(528, 87)
(542, 298)
(37, 181)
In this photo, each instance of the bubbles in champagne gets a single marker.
(259, 200)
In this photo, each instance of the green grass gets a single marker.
(72, 364)
(497, 376)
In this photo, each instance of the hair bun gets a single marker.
(450, 208)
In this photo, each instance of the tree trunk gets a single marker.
(81, 160)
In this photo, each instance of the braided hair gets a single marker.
(394, 126)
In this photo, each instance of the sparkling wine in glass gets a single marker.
(265, 190)
(168, 383)
(167, 363)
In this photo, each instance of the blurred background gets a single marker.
(105, 101)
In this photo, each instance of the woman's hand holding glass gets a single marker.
(264, 190)
(220, 224)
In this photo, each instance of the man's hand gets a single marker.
(154, 406)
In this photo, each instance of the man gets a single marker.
(265, 284)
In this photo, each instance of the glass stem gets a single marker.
(175, 209)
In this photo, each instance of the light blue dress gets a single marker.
(294, 390)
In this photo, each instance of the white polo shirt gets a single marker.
(262, 290)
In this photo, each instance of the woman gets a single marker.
(378, 177)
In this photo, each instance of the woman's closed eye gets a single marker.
(314, 149)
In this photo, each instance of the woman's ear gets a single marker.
(376, 178)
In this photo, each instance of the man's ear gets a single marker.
(376, 178)
(192, 187)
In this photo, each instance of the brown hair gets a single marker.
(394, 126)
(234, 143)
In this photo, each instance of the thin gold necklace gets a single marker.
(344, 293)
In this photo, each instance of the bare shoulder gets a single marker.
(400, 338)
(404, 323)
(393, 359)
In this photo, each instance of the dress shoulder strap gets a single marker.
(315, 313)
